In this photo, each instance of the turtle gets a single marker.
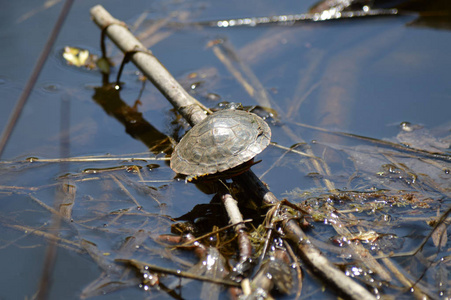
(221, 142)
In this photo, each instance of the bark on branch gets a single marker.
(144, 60)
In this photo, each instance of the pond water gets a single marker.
(362, 77)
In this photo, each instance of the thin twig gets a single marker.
(30, 230)
(84, 159)
(357, 250)
(231, 206)
(34, 76)
(125, 190)
(190, 242)
(297, 268)
(178, 273)
(435, 155)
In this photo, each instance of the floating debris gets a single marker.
(79, 57)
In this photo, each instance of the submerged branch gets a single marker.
(306, 17)
(178, 273)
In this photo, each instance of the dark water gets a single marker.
(363, 77)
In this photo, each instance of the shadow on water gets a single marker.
(108, 97)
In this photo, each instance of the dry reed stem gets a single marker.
(46, 235)
(358, 251)
(85, 159)
(416, 291)
(297, 268)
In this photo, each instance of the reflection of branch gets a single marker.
(134, 123)
(192, 111)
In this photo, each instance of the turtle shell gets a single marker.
(221, 142)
